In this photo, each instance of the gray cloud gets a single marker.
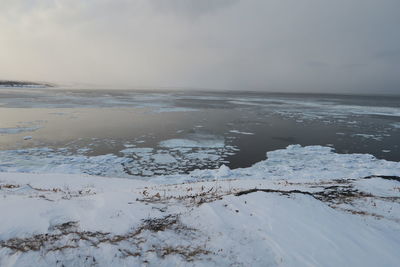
(310, 45)
(191, 8)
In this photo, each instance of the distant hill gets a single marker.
(6, 83)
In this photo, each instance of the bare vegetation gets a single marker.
(9, 186)
(68, 236)
(191, 198)
(385, 177)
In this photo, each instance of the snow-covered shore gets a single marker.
(303, 206)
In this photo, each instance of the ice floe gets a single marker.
(205, 143)
(17, 130)
(168, 165)
(369, 136)
(240, 132)
(173, 156)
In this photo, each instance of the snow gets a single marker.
(289, 229)
(81, 220)
(301, 206)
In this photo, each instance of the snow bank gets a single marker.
(78, 220)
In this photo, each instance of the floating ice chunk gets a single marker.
(240, 132)
(83, 150)
(294, 162)
(129, 145)
(246, 103)
(18, 130)
(203, 156)
(137, 150)
(176, 143)
(173, 109)
(396, 125)
(147, 173)
(163, 158)
(369, 136)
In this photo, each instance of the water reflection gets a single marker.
(95, 123)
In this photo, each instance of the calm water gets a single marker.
(239, 127)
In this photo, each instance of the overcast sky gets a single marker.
(272, 45)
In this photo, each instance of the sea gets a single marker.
(145, 133)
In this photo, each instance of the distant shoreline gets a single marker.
(155, 89)
(23, 84)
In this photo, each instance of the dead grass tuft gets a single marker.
(68, 236)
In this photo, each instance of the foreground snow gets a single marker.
(300, 207)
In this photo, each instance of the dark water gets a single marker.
(105, 121)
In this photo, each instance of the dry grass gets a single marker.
(189, 199)
(9, 186)
(68, 236)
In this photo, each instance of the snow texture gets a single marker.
(302, 206)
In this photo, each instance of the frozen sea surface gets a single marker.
(159, 133)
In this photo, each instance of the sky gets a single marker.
(270, 45)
